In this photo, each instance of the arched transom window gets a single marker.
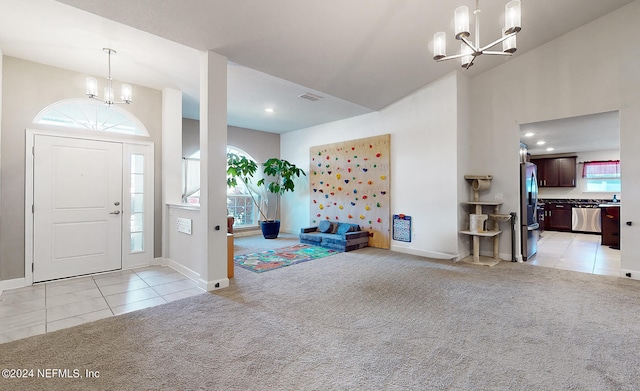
(240, 204)
(90, 114)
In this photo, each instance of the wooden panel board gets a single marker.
(350, 182)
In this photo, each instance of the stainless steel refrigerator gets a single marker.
(530, 229)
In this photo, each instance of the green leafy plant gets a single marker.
(280, 174)
(279, 178)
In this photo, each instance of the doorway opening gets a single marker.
(572, 204)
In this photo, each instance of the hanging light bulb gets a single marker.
(461, 20)
(467, 57)
(509, 44)
(512, 16)
(439, 45)
(108, 95)
(127, 93)
(92, 87)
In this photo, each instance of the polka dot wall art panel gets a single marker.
(350, 182)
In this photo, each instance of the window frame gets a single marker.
(240, 219)
(601, 176)
(233, 195)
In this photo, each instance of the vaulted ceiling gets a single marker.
(359, 55)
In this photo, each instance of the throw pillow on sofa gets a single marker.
(325, 227)
(344, 228)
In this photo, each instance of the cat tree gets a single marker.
(481, 224)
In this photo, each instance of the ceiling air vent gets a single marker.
(310, 97)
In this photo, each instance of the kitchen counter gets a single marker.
(577, 201)
(576, 215)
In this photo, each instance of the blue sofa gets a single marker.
(336, 236)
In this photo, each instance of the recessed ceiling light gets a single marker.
(530, 134)
(269, 110)
(541, 142)
(549, 149)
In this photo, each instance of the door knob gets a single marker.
(117, 212)
(629, 223)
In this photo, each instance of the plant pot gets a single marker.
(270, 229)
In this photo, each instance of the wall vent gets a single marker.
(310, 97)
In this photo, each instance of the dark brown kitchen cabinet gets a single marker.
(556, 172)
(557, 217)
(610, 222)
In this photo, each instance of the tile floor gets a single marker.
(55, 305)
(577, 252)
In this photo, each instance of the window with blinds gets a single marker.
(602, 176)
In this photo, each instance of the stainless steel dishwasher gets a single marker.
(586, 218)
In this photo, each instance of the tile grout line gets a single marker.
(103, 296)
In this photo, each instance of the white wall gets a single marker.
(186, 252)
(190, 137)
(424, 165)
(578, 191)
(565, 78)
(465, 168)
(260, 145)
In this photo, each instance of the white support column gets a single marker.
(629, 233)
(171, 158)
(1, 65)
(213, 163)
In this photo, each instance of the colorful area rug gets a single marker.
(281, 257)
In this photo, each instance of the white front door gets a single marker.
(77, 207)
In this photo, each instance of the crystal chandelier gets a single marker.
(92, 87)
(470, 50)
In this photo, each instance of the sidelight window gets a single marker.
(136, 226)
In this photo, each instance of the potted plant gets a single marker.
(279, 176)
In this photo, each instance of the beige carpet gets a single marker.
(364, 320)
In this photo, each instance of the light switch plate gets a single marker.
(184, 225)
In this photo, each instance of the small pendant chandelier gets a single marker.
(470, 50)
(92, 87)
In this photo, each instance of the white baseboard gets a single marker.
(6, 285)
(632, 274)
(506, 257)
(162, 261)
(193, 275)
(214, 285)
(180, 268)
(422, 253)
